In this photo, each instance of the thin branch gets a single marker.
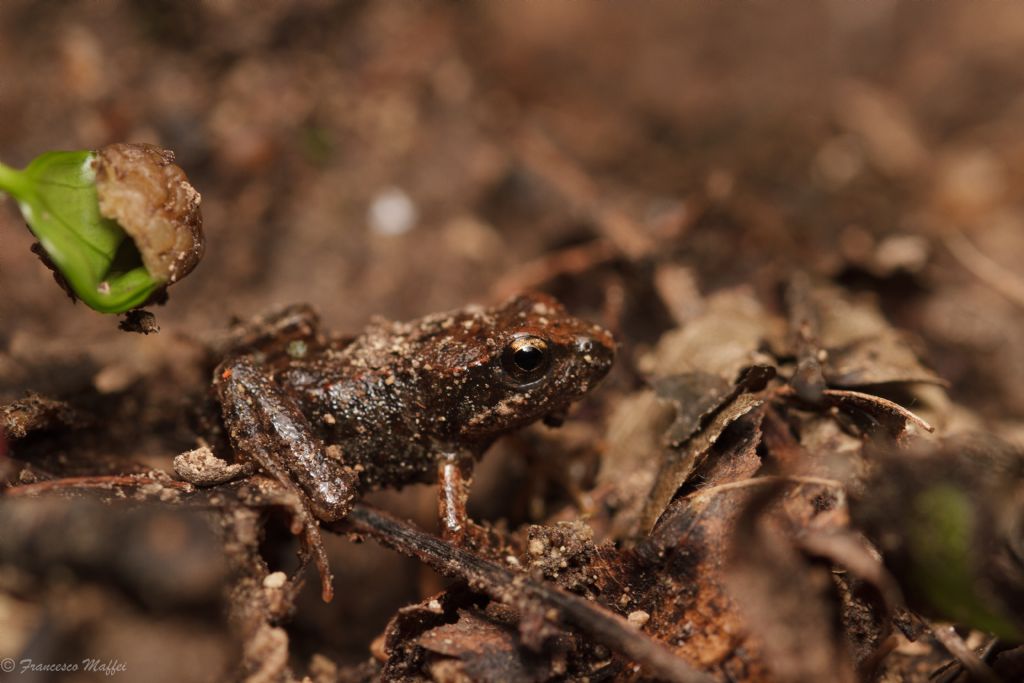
(979, 264)
(544, 158)
(958, 648)
(95, 482)
(502, 584)
(764, 480)
(573, 260)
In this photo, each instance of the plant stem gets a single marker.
(13, 182)
(520, 589)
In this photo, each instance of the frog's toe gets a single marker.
(335, 497)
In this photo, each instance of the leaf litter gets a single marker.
(721, 525)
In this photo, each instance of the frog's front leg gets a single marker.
(454, 475)
(266, 426)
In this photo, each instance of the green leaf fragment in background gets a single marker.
(940, 543)
(57, 197)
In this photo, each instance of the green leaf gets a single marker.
(57, 197)
(941, 529)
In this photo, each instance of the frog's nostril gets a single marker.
(593, 351)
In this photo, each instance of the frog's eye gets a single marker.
(526, 358)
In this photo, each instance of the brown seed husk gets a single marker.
(140, 187)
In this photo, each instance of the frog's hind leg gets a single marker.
(266, 426)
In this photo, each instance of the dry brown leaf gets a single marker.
(725, 338)
(485, 650)
(862, 348)
(634, 452)
(693, 396)
(680, 464)
(875, 412)
(689, 605)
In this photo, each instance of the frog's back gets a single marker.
(369, 417)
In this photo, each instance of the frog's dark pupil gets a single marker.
(528, 358)
(525, 359)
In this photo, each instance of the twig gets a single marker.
(999, 278)
(94, 482)
(569, 261)
(547, 161)
(502, 584)
(764, 480)
(958, 648)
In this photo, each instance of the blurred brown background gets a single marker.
(806, 135)
(382, 158)
(811, 135)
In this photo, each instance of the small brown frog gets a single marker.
(403, 402)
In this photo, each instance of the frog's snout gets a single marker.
(597, 349)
